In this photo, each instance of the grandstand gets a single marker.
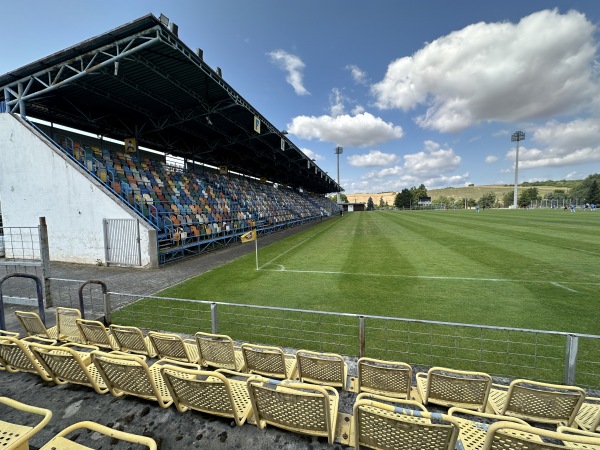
(127, 202)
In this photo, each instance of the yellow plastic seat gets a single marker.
(66, 324)
(381, 425)
(211, 392)
(298, 407)
(65, 364)
(61, 442)
(387, 378)
(129, 374)
(217, 350)
(474, 426)
(33, 325)
(15, 436)
(95, 333)
(15, 355)
(4, 333)
(509, 435)
(268, 361)
(588, 416)
(460, 388)
(576, 432)
(537, 402)
(322, 368)
(173, 346)
(132, 340)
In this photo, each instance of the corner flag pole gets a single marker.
(256, 248)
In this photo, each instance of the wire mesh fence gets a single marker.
(65, 293)
(501, 352)
(21, 244)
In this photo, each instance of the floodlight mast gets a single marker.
(517, 137)
(338, 152)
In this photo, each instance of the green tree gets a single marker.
(417, 193)
(487, 200)
(403, 199)
(381, 202)
(370, 206)
(582, 190)
(343, 198)
(527, 196)
(507, 199)
(593, 195)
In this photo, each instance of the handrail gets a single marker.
(40, 296)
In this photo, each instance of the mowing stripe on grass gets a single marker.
(429, 277)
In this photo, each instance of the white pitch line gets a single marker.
(297, 245)
(431, 277)
(564, 287)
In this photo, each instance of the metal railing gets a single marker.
(549, 356)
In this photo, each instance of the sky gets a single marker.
(415, 92)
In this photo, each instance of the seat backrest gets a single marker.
(16, 436)
(169, 346)
(543, 402)
(300, 407)
(458, 387)
(265, 360)
(61, 440)
(216, 350)
(94, 333)
(126, 374)
(505, 435)
(387, 378)
(131, 339)
(63, 363)
(321, 368)
(383, 425)
(66, 324)
(15, 356)
(32, 324)
(588, 416)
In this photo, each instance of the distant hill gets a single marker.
(474, 192)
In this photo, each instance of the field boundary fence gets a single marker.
(554, 357)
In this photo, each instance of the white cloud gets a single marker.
(491, 159)
(294, 66)
(432, 167)
(311, 154)
(361, 130)
(536, 68)
(358, 75)
(372, 159)
(561, 144)
(358, 109)
(336, 103)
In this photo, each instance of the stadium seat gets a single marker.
(268, 361)
(33, 325)
(217, 350)
(60, 441)
(15, 355)
(4, 334)
(65, 364)
(66, 324)
(448, 387)
(209, 392)
(132, 340)
(130, 374)
(387, 378)
(537, 402)
(577, 432)
(322, 368)
(95, 333)
(474, 425)
(173, 346)
(588, 416)
(14, 436)
(509, 435)
(384, 425)
(298, 407)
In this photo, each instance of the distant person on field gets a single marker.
(477, 208)
(572, 208)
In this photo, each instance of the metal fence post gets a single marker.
(571, 359)
(214, 319)
(107, 308)
(361, 336)
(45, 257)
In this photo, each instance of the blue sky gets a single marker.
(414, 91)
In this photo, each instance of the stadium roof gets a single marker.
(140, 80)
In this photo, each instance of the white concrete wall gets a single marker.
(38, 180)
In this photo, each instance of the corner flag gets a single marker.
(249, 236)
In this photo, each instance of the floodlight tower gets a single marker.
(517, 137)
(338, 152)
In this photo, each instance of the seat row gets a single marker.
(16, 436)
(184, 360)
